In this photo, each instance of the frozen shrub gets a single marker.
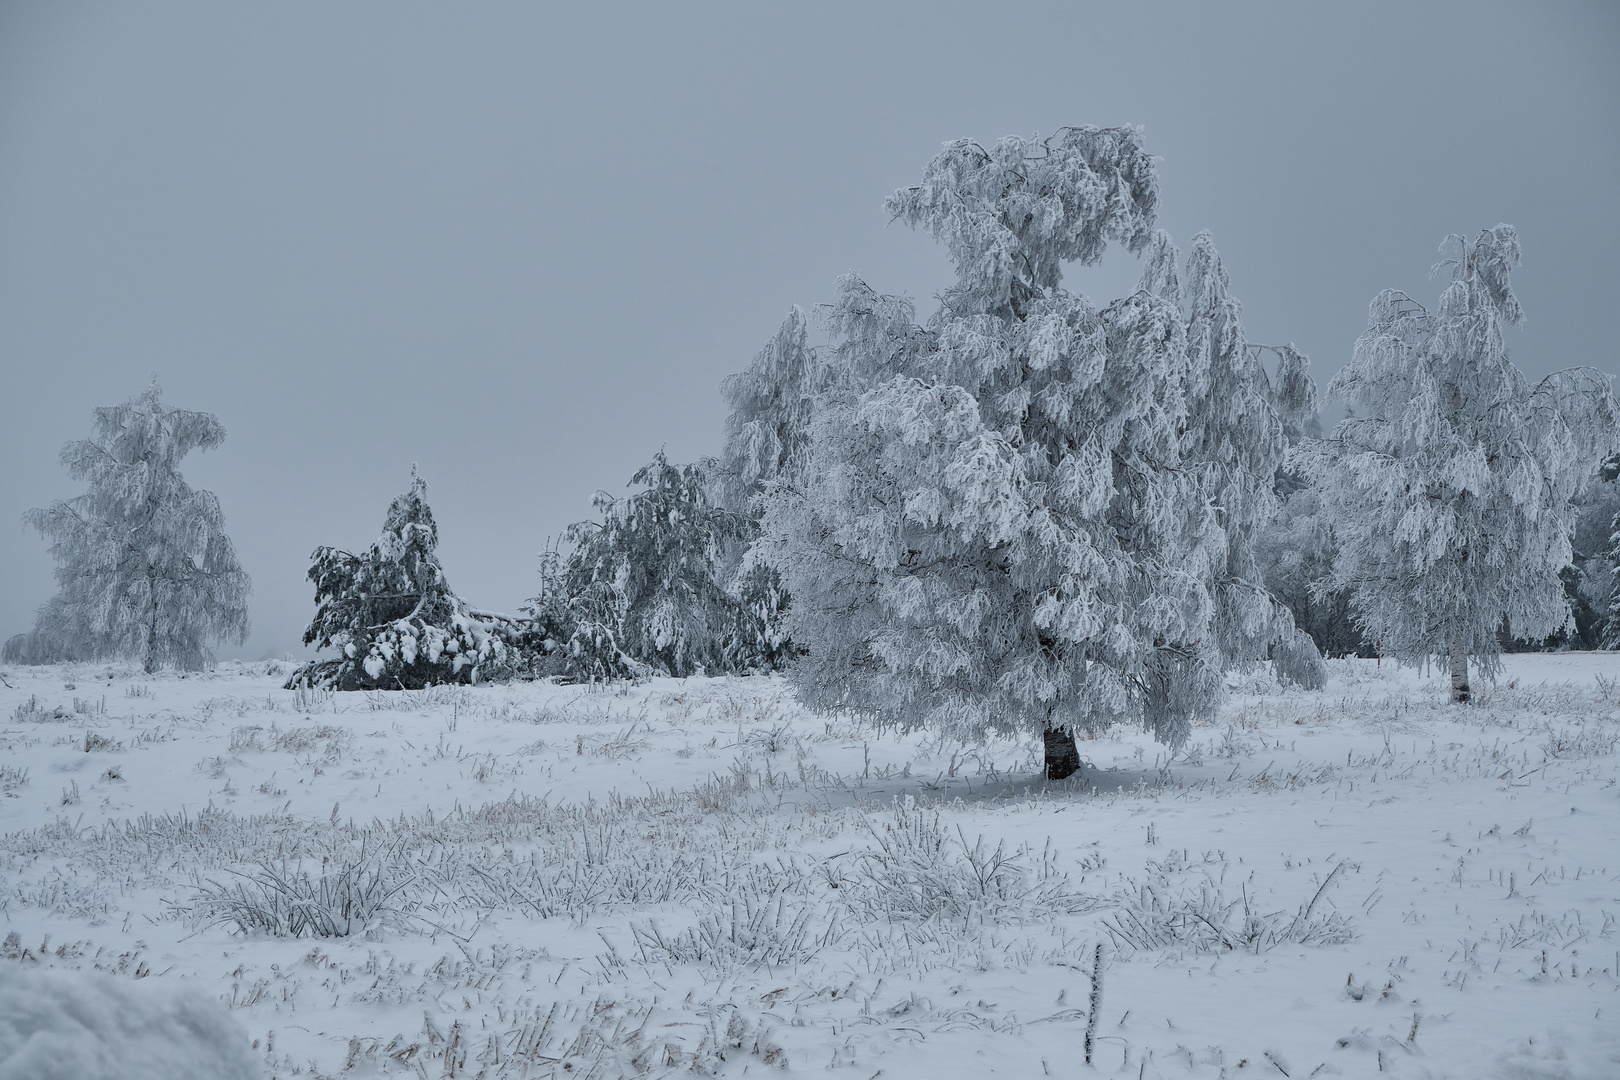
(917, 870)
(1298, 662)
(1180, 904)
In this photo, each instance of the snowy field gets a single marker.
(700, 877)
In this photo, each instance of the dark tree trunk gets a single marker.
(1062, 756)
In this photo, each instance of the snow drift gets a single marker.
(72, 1025)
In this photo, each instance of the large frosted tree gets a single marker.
(145, 569)
(1029, 514)
(1451, 486)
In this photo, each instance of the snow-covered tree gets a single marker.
(1296, 546)
(1295, 550)
(1030, 514)
(1451, 487)
(642, 591)
(1590, 580)
(391, 616)
(145, 569)
(1593, 580)
(772, 405)
(1238, 426)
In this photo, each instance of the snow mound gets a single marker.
(72, 1025)
(1555, 1055)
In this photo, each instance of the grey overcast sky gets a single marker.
(521, 244)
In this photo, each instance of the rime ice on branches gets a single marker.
(1452, 486)
(145, 569)
(1028, 513)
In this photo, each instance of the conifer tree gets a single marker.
(145, 569)
(1451, 487)
(391, 615)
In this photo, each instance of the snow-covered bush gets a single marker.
(145, 568)
(391, 615)
(1451, 487)
(78, 1025)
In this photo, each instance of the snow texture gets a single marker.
(700, 877)
(76, 1025)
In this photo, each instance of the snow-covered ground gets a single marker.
(701, 876)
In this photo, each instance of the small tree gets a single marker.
(1451, 487)
(145, 568)
(642, 591)
(391, 615)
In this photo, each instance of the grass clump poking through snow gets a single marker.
(917, 871)
(1186, 905)
(770, 920)
(12, 778)
(330, 740)
(367, 892)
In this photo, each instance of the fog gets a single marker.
(521, 245)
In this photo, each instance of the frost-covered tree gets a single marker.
(145, 569)
(391, 616)
(1593, 581)
(1008, 519)
(767, 436)
(1296, 547)
(1451, 487)
(1238, 426)
(772, 405)
(1590, 580)
(643, 589)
